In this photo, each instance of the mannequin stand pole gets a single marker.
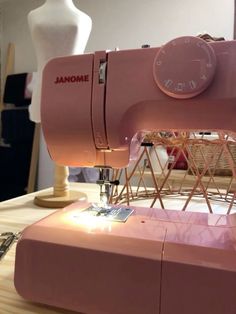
(61, 196)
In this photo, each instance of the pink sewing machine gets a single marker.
(95, 110)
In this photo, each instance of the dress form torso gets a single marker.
(57, 29)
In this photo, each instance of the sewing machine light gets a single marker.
(94, 218)
(91, 223)
(84, 220)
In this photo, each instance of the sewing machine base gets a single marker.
(157, 262)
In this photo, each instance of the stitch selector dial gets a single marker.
(184, 67)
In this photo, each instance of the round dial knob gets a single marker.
(184, 67)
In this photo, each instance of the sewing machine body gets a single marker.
(101, 112)
(158, 261)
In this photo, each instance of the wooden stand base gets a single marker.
(51, 201)
(61, 196)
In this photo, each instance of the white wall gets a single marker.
(123, 23)
(131, 23)
(119, 23)
(15, 30)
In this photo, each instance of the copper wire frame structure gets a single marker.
(209, 177)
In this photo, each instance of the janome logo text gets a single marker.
(72, 79)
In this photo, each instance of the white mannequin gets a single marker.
(57, 28)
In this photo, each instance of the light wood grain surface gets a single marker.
(15, 215)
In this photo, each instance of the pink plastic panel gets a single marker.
(199, 267)
(91, 268)
(66, 110)
(198, 280)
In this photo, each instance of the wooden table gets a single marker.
(15, 215)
